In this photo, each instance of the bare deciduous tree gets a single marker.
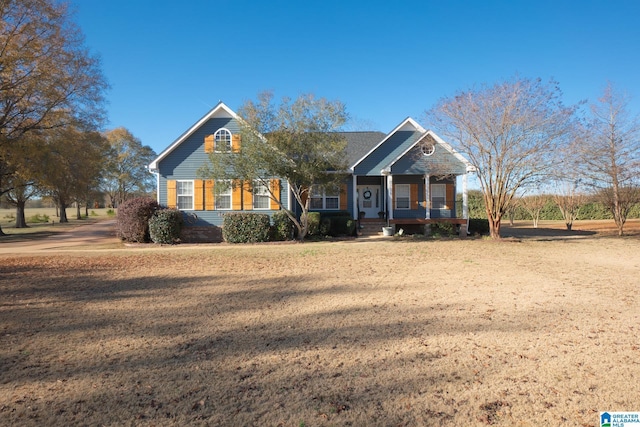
(534, 204)
(569, 200)
(607, 152)
(511, 132)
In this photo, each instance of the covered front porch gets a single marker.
(409, 199)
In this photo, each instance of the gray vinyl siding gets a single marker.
(184, 161)
(441, 162)
(386, 153)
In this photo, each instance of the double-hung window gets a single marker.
(223, 191)
(438, 196)
(261, 196)
(184, 195)
(325, 198)
(403, 196)
(222, 139)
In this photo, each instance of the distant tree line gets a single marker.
(590, 208)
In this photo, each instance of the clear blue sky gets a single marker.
(169, 62)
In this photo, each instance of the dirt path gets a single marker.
(98, 235)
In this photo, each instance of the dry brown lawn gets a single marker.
(524, 332)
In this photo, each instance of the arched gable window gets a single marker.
(222, 139)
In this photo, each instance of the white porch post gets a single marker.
(390, 195)
(465, 200)
(427, 196)
(354, 194)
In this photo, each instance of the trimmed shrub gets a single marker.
(443, 229)
(133, 219)
(165, 226)
(341, 226)
(246, 227)
(283, 228)
(479, 226)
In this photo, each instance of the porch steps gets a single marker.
(371, 228)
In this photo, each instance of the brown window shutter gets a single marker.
(209, 144)
(172, 198)
(236, 195)
(450, 201)
(413, 188)
(198, 194)
(275, 189)
(343, 197)
(247, 196)
(209, 195)
(235, 142)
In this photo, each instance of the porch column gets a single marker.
(465, 200)
(427, 196)
(354, 194)
(390, 195)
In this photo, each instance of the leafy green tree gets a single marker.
(126, 171)
(294, 140)
(511, 132)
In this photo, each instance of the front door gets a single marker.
(370, 200)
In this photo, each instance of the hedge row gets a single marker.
(589, 210)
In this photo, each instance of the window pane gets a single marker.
(223, 201)
(402, 196)
(184, 193)
(223, 194)
(316, 203)
(223, 140)
(332, 202)
(185, 202)
(260, 197)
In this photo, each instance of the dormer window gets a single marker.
(222, 139)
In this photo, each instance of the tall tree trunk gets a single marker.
(494, 228)
(78, 214)
(20, 219)
(63, 211)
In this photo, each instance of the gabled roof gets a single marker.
(468, 166)
(408, 123)
(360, 143)
(220, 110)
(395, 145)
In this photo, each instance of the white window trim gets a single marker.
(215, 141)
(193, 195)
(444, 191)
(257, 184)
(230, 194)
(395, 202)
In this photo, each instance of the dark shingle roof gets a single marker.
(360, 143)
